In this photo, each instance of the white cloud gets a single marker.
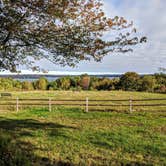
(150, 19)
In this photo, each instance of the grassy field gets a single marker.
(67, 136)
(96, 95)
(84, 94)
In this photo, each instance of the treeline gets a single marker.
(130, 81)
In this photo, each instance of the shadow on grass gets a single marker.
(109, 110)
(128, 144)
(16, 152)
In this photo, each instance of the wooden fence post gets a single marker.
(87, 101)
(17, 108)
(50, 104)
(131, 109)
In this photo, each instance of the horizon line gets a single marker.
(29, 72)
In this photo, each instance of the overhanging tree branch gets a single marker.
(68, 31)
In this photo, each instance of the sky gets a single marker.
(149, 17)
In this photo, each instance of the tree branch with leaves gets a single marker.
(62, 31)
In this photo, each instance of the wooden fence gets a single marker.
(129, 103)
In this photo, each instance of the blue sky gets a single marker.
(149, 18)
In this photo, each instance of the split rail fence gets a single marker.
(86, 103)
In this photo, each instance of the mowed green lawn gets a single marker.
(68, 136)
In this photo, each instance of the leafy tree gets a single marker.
(106, 84)
(17, 84)
(26, 85)
(115, 83)
(52, 85)
(62, 31)
(148, 83)
(75, 81)
(161, 89)
(85, 81)
(41, 84)
(129, 81)
(93, 83)
(101, 84)
(160, 82)
(6, 83)
(64, 83)
(160, 78)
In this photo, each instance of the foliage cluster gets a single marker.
(64, 32)
(130, 81)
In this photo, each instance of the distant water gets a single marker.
(52, 78)
(35, 79)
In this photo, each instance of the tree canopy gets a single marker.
(62, 31)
